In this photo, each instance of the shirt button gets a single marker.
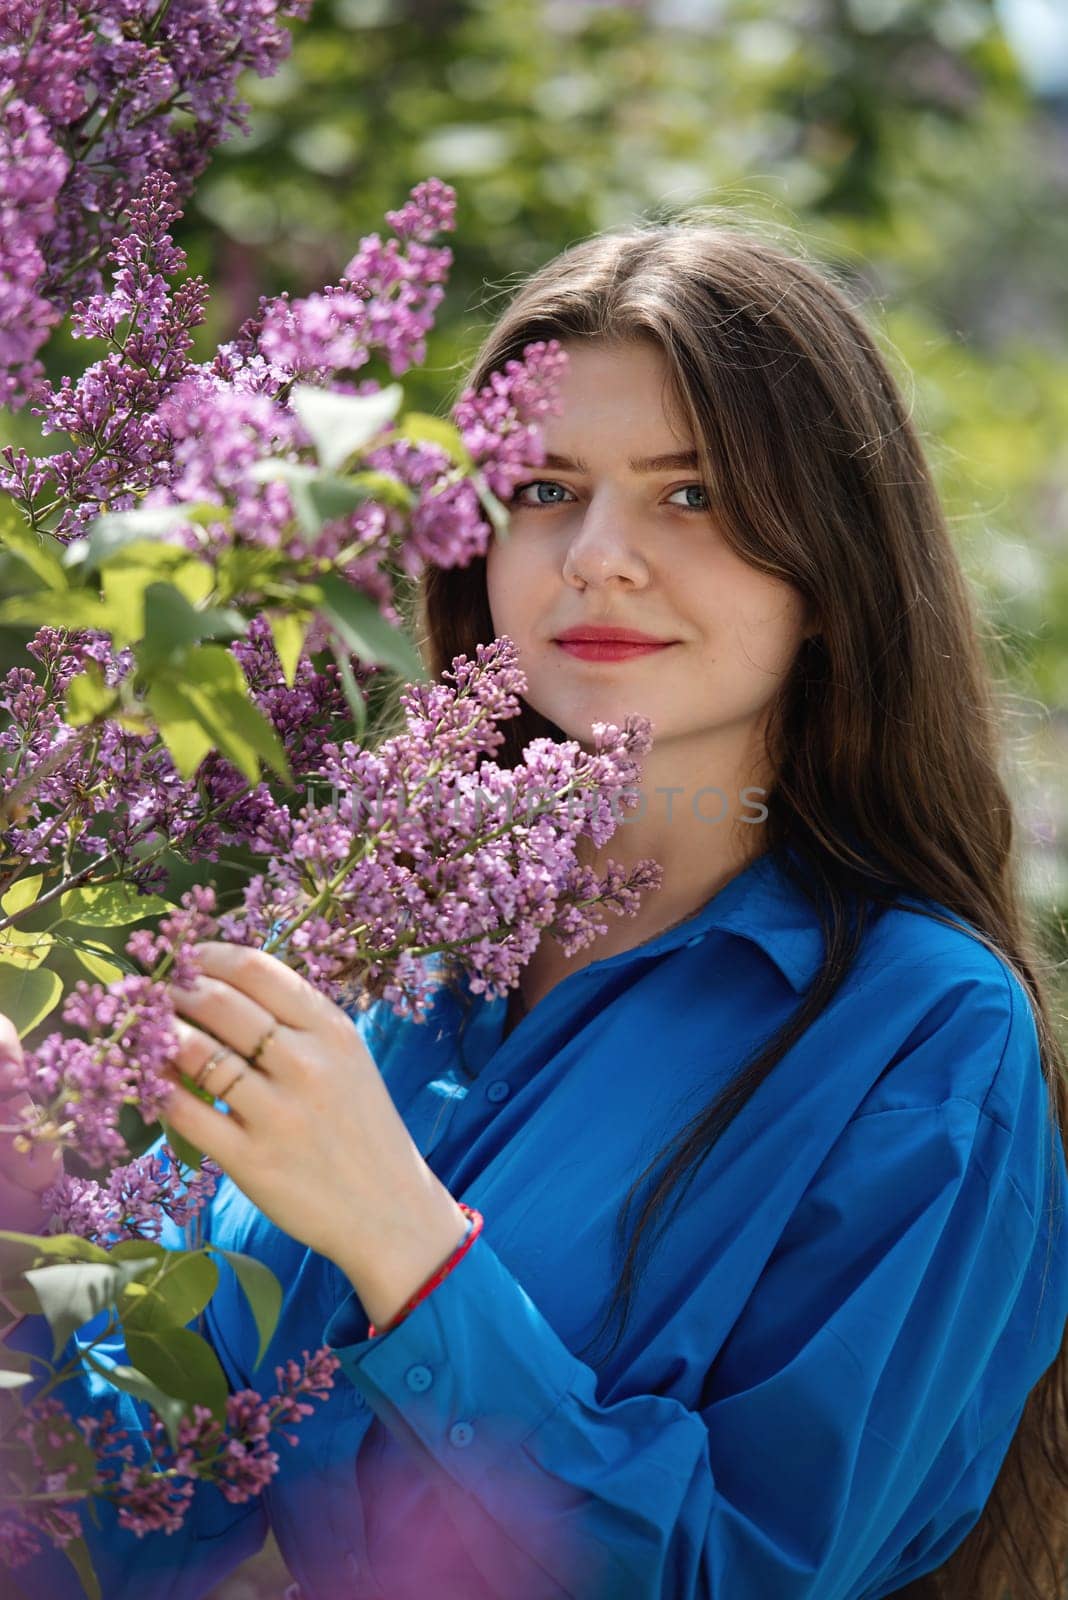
(498, 1090)
(418, 1378)
(461, 1433)
(695, 940)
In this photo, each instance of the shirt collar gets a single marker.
(763, 905)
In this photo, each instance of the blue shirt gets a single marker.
(830, 1347)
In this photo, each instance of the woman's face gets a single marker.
(605, 539)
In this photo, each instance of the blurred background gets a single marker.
(919, 146)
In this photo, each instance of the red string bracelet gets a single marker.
(474, 1228)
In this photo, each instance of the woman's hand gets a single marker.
(23, 1175)
(312, 1136)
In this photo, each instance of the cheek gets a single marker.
(511, 584)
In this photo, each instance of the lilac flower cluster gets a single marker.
(363, 904)
(125, 781)
(91, 97)
(133, 1201)
(121, 447)
(154, 1495)
(80, 1084)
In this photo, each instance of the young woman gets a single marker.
(821, 1054)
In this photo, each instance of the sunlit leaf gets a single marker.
(28, 995)
(340, 424)
(110, 905)
(23, 893)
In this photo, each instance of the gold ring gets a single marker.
(221, 1094)
(211, 1063)
(254, 1058)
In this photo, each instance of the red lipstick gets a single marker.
(607, 642)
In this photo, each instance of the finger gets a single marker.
(233, 1018)
(220, 1135)
(12, 1069)
(217, 1069)
(265, 979)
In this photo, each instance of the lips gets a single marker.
(591, 634)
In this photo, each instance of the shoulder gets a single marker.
(967, 1022)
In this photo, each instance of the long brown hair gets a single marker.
(887, 733)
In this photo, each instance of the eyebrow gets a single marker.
(645, 464)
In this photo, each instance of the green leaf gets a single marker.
(383, 487)
(340, 424)
(97, 960)
(21, 949)
(422, 428)
(27, 995)
(128, 1379)
(109, 905)
(21, 894)
(353, 693)
(89, 696)
(172, 624)
(72, 1293)
(365, 630)
(130, 575)
(183, 1148)
(115, 530)
(181, 1363)
(180, 1293)
(288, 630)
(210, 691)
(319, 496)
(494, 508)
(21, 1250)
(180, 727)
(41, 552)
(244, 568)
(77, 1553)
(262, 1291)
(74, 608)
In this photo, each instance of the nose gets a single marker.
(606, 543)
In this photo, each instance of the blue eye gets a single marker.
(549, 483)
(686, 488)
(536, 483)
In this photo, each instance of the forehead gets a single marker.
(624, 388)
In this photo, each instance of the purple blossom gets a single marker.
(415, 842)
(133, 1201)
(32, 172)
(499, 423)
(154, 1495)
(89, 91)
(84, 1082)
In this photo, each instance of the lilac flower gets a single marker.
(499, 423)
(18, 1542)
(32, 172)
(133, 1202)
(148, 1502)
(121, 446)
(84, 1082)
(385, 300)
(102, 80)
(155, 1495)
(176, 933)
(406, 858)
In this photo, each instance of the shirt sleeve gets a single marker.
(215, 1536)
(892, 1339)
